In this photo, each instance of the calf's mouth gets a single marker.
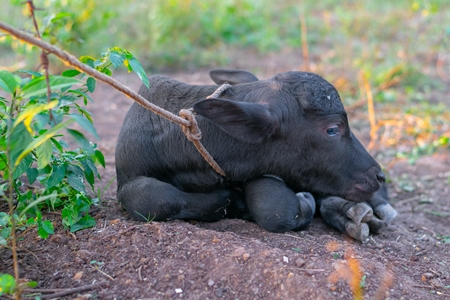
(369, 184)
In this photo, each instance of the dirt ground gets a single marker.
(236, 259)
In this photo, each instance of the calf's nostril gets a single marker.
(381, 178)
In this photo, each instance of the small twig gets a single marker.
(28, 251)
(30, 186)
(305, 50)
(404, 201)
(134, 227)
(375, 242)
(429, 230)
(310, 270)
(301, 238)
(109, 276)
(43, 290)
(370, 110)
(25, 231)
(422, 286)
(69, 291)
(139, 273)
(44, 55)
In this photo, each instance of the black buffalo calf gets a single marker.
(280, 142)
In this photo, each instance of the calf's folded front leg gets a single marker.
(275, 207)
(358, 219)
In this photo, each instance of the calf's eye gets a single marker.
(332, 130)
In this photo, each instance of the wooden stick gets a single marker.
(68, 291)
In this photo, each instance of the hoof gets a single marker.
(308, 199)
(359, 232)
(376, 224)
(385, 212)
(360, 213)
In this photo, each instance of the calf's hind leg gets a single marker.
(275, 207)
(147, 198)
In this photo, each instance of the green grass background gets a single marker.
(401, 47)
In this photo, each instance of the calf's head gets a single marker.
(298, 126)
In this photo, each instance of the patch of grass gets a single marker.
(444, 238)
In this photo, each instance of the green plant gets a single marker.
(40, 169)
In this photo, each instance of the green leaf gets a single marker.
(38, 86)
(86, 96)
(7, 82)
(116, 58)
(23, 166)
(106, 71)
(36, 202)
(88, 60)
(57, 145)
(69, 216)
(75, 169)
(32, 73)
(91, 165)
(84, 113)
(31, 111)
(31, 284)
(70, 73)
(7, 284)
(80, 139)
(5, 232)
(57, 176)
(60, 16)
(86, 124)
(85, 222)
(90, 171)
(90, 83)
(4, 219)
(100, 158)
(43, 138)
(45, 228)
(20, 139)
(44, 153)
(139, 70)
(32, 174)
(76, 182)
(3, 107)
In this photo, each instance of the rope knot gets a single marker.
(192, 131)
(194, 134)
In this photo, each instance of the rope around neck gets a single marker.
(194, 134)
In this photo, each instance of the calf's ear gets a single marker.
(221, 76)
(244, 121)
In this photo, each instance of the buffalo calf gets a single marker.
(284, 144)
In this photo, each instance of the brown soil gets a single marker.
(236, 259)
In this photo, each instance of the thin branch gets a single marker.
(69, 291)
(305, 50)
(107, 275)
(187, 123)
(74, 62)
(44, 55)
(370, 109)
